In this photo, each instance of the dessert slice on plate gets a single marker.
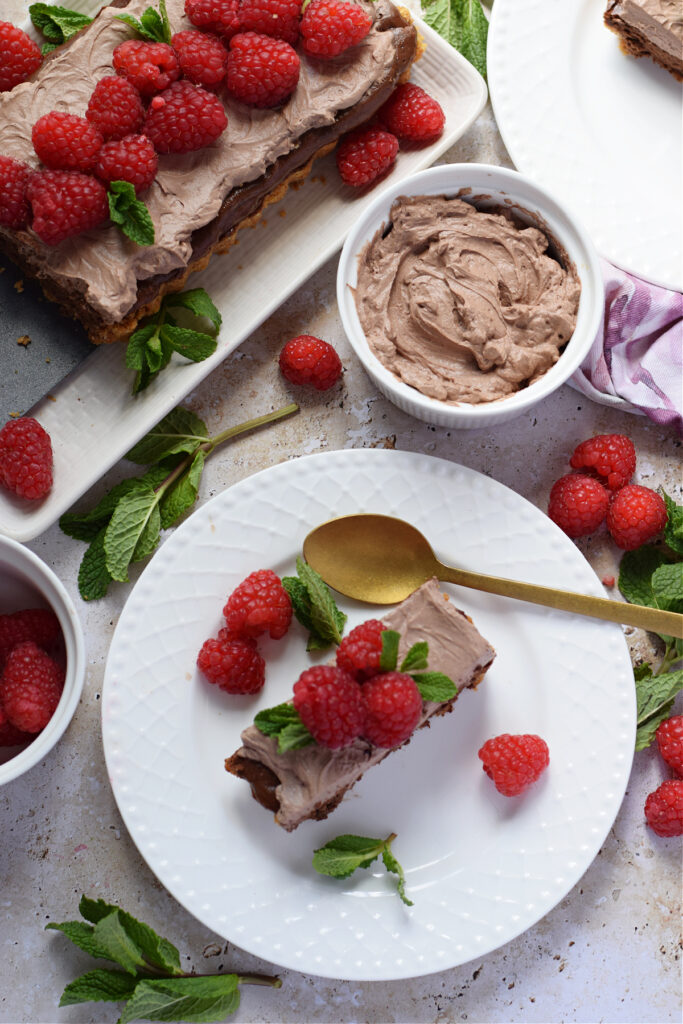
(650, 28)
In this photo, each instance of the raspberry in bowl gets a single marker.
(42, 658)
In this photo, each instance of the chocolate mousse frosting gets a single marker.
(461, 304)
(310, 782)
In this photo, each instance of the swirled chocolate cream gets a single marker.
(462, 304)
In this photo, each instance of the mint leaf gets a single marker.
(93, 576)
(129, 213)
(82, 935)
(183, 494)
(389, 656)
(673, 531)
(435, 686)
(654, 700)
(126, 526)
(301, 602)
(149, 536)
(635, 574)
(202, 1000)
(100, 985)
(180, 431)
(284, 722)
(667, 586)
(137, 344)
(198, 302)
(463, 24)
(391, 864)
(314, 607)
(111, 936)
(642, 671)
(57, 23)
(343, 855)
(152, 25)
(416, 658)
(48, 48)
(194, 345)
(86, 525)
(157, 951)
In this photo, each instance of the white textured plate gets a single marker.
(599, 128)
(480, 868)
(92, 418)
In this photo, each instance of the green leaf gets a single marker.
(99, 986)
(667, 586)
(642, 671)
(673, 531)
(635, 574)
(284, 722)
(343, 855)
(192, 344)
(110, 935)
(152, 25)
(48, 48)
(463, 24)
(314, 607)
(180, 431)
(182, 495)
(86, 525)
(416, 658)
(301, 602)
(150, 536)
(654, 700)
(391, 864)
(129, 213)
(157, 951)
(198, 302)
(389, 656)
(57, 23)
(93, 576)
(435, 686)
(201, 1000)
(137, 346)
(82, 935)
(125, 528)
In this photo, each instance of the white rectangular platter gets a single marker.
(92, 417)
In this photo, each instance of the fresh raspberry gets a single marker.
(278, 18)
(19, 56)
(635, 515)
(202, 57)
(330, 704)
(25, 458)
(360, 651)
(411, 113)
(219, 16)
(30, 687)
(578, 504)
(611, 456)
(38, 624)
(66, 142)
(151, 67)
(670, 742)
(664, 809)
(514, 762)
(189, 118)
(132, 159)
(14, 209)
(329, 27)
(234, 665)
(392, 708)
(115, 108)
(262, 71)
(10, 736)
(309, 360)
(259, 604)
(65, 203)
(365, 155)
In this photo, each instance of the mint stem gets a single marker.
(259, 979)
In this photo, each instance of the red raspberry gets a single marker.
(19, 56)
(65, 203)
(66, 142)
(10, 736)
(14, 209)
(115, 108)
(330, 704)
(578, 504)
(309, 360)
(150, 67)
(514, 762)
(393, 706)
(259, 604)
(411, 113)
(234, 665)
(635, 515)
(664, 809)
(25, 458)
(30, 687)
(329, 27)
(219, 16)
(202, 57)
(365, 155)
(262, 71)
(38, 624)
(611, 455)
(278, 18)
(360, 651)
(132, 159)
(670, 742)
(188, 119)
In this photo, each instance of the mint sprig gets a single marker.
(151, 346)
(314, 607)
(284, 722)
(58, 24)
(152, 25)
(345, 854)
(129, 213)
(151, 982)
(463, 24)
(125, 525)
(433, 686)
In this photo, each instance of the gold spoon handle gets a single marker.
(669, 623)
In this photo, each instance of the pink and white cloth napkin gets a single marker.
(636, 361)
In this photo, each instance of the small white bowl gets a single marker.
(26, 582)
(501, 187)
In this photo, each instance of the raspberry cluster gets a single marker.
(580, 502)
(31, 673)
(664, 807)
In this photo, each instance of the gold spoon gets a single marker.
(381, 560)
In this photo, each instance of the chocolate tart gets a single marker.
(650, 28)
